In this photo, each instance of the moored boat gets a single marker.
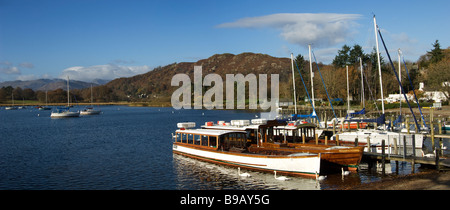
(273, 136)
(230, 147)
(63, 112)
(90, 111)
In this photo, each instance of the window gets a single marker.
(197, 139)
(183, 138)
(204, 140)
(213, 141)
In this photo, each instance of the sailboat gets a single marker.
(90, 110)
(376, 136)
(63, 112)
(11, 107)
(41, 108)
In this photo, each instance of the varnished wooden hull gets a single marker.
(346, 157)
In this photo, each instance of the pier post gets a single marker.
(303, 138)
(317, 138)
(395, 146)
(404, 146)
(356, 141)
(368, 144)
(432, 129)
(437, 157)
(414, 145)
(337, 140)
(326, 140)
(440, 125)
(413, 167)
(383, 158)
(407, 124)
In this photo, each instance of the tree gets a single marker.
(342, 58)
(436, 54)
(438, 76)
(349, 56)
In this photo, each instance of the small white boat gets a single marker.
(63, 112)
(90, 110)
(229, 147)
(376, 137)
(11, 107)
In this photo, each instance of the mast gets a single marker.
(379, 63)
(348, 94)
(68, 98)
(312, 76)
(362, 82)
(293, 82)
(92, 98)
(400, 79)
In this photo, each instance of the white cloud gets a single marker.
(105, 72)
(7, 67)
(320, 29)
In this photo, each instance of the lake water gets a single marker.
(128, 148)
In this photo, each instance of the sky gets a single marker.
(107, 39)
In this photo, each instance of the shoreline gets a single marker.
(431, 180)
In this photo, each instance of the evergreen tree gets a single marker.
(436, 54)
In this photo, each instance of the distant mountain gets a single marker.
(51, 84)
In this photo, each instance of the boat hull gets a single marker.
(93, 112)
(304, 165)
(64, 114)
(346, 157)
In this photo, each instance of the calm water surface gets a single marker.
(127, 148)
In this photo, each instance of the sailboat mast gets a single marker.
(68, 98)
(293, 83)
(379, 62)
(312, 76)
(362, 82)
(92, 97)
(348, 92)
(400, 79)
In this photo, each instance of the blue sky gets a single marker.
(106, 39)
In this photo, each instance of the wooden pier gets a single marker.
(436, 160)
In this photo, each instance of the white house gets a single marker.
(436, 96)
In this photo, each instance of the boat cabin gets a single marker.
(270, 131)
(224, 140)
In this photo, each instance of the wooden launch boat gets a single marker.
(230, 147)
(279, 137)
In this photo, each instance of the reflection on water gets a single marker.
(193, 174)
(198, 175)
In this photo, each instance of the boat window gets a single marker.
(190, 138)
(183, 138)
(213, 141)
(204, 140)
(178, 137)
(198, 139)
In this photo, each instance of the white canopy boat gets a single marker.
(229, 147)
